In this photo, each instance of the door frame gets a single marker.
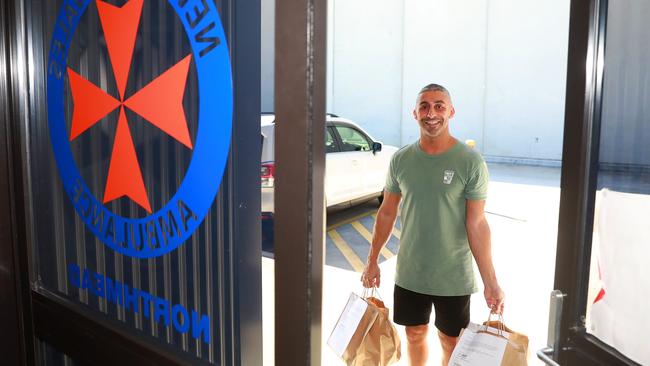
(12, 213)
(300, 89)
(585, 60)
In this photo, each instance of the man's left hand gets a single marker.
(494, 297)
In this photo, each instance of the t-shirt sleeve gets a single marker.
(392, 185)
(477, 185)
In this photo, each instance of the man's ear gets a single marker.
(415, 115)
(453, 112)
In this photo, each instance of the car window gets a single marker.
(352, 139)
(330, 144)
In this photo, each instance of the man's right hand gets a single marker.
(371, 275)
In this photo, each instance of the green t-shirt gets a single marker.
(434, 255)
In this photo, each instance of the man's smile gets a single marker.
(434, 122)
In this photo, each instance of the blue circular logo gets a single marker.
(162, 231)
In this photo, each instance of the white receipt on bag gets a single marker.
(347, 324)
(479, 348)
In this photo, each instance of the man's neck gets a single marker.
(437, 145)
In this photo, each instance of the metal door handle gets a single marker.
(544, 354)
(554, 319)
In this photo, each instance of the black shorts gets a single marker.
(414, 308)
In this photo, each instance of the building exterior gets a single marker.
(504, 63)
(130, 176)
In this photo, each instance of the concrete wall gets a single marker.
(526, 77)
(268, 55)
(625, 130)
(444, 43)
(503, 61)
(366, 64)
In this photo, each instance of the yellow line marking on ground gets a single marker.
(345, 249)
(353, 219)
(366, 234)
(396, 232)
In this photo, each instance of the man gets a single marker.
(443, 186)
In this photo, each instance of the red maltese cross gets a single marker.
(160, 102)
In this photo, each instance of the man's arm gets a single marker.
(478, 233)
(386, 217)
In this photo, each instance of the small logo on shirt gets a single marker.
(449, 175)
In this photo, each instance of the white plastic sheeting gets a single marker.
(620, 315)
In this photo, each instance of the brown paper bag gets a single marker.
(490, 344)
(381, 345)
(516, 353)
(351, 329)
(364, 335)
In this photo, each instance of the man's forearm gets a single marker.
(383, 228)
(478, 233)
(481, 247)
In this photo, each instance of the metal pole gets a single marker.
(300, 63)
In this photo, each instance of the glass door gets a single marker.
(135, 207)
(604, 236)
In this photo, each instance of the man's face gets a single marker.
(433, 112)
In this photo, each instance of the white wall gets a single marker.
(444, 43)
(365, 64)
(526, 78)
(268, 55)
(504, 62)
(625, 129)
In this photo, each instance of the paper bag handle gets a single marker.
(501, 328)
(371, 292)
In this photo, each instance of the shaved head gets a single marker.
(433, 88)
